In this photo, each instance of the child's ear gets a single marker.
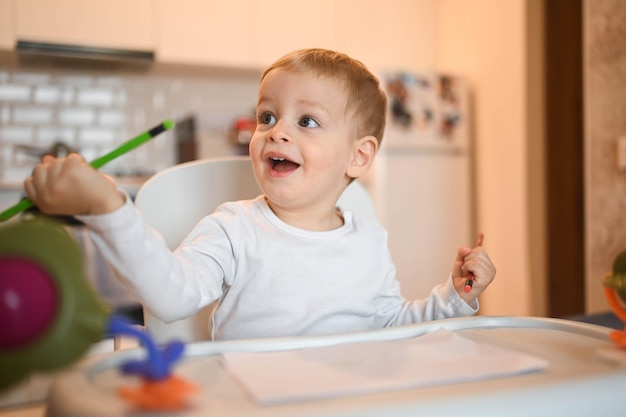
(363, 153)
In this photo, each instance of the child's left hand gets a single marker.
(472, 264)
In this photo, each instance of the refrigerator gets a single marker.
(422, 181)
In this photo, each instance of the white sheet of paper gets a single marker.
(439, 357)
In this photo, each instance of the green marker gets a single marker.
(125, 147)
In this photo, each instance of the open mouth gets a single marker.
(282, 164)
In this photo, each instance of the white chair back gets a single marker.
(175, 199)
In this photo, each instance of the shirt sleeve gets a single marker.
(442, 302)
(164, 282)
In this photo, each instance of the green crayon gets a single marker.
(125, 147)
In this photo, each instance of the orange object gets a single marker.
(617, 336)
(166, 395)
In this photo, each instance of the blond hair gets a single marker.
(366, 104)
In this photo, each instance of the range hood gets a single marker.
(86, 52)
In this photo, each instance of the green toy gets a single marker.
(615, 293)
(49, 314)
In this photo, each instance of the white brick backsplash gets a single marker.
(77, 116)
(18, 173)
(5, 115)
(31, 78)
(96, 136)
(6, 154)
(75, 80)
(177, 86)
(139, 118)
(67, 96)
(32, 115)
(47, 95)
(14, 93)
(22, 159)
(90, 153)
(93, 111)
(110, 81)
(48, 135)
(16, 134)
(158, 100)
(120, 98)
(94, 97)
(111, 118)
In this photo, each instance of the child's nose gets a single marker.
(279, 133)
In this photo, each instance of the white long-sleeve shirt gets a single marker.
(271, 279)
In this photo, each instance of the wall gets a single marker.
(605, 121)
(412, 26)
(486, 41)
(497, 46)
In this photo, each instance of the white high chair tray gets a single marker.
(586, 375)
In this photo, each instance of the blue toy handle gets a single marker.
(158, 364)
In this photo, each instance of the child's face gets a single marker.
(303, 144)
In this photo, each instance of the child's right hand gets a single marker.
(70, 186)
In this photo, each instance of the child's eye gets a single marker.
(266, 119)
(307, 121)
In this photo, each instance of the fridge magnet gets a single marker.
(425, 111)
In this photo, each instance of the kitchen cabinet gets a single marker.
(6, 25)
(204, 32)
(388, 35)
(281, 26)
(253, 33)
(249, 33)
(234, 33)
(119, 24)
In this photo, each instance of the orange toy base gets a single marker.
(169, 394)
(619, 337)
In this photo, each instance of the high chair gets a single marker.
(174, 200)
